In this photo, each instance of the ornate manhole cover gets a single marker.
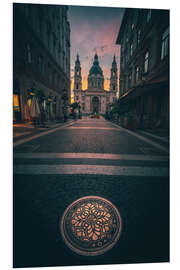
(91, 225)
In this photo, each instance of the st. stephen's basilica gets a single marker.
(95, 99)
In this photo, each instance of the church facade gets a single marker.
(95, 99)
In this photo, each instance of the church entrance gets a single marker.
(95, 105)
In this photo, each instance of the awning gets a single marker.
(154, 88)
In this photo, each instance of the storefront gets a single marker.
(149, 104)
(16, 102)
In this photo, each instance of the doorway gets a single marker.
(95, 105)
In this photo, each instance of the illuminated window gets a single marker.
(165, 44)
(16, 102)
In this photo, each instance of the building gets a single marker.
(41, 58)
(95, 99)
(144, 67)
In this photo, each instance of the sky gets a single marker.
(94, 29)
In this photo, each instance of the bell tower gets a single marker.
(113, 79)
(77, 75)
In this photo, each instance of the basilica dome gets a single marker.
(96, 69)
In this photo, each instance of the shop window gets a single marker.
(16, 106)
(165, 44)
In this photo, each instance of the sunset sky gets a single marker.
(94, 29)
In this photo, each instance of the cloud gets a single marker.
(94, 29)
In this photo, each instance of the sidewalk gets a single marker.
(156, 136)
(159, 133)
(24, 130)
(156, 132)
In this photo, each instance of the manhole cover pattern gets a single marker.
(91, 226)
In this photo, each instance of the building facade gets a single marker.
(144, 66)
(41, 58)
(95, 99)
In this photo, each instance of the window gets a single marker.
(40, 63)
(40, 25)
(138, 36)
(146, 62)
(148, 15)
(49, 73)
(129, 80)
(131, 49)
(137, 74)
(77, 86)
(165, 43)
(29, 54)
(16, 102)
(54, 44)
(53, 77)
(114, 88)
